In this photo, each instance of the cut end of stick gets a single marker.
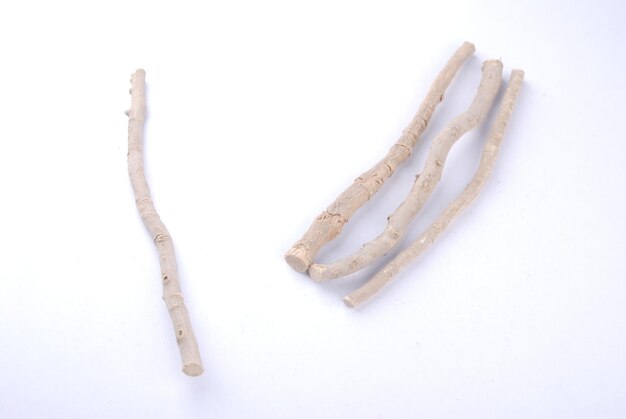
(297, 261)
(193, 369)
(316, 272)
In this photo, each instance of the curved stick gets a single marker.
(490, 152)
(190, 355)
(329, 224)
(424, 184)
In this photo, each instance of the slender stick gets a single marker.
(329, 223)
(424, 184)
(490, 152)
(190, 355)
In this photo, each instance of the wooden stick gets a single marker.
(329, 224)
(490, 152)
(190, 355)
(424, 184)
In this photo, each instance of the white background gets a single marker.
(260, 113)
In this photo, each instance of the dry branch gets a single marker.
(490, 152)
(329, 224)
(424, 183)
(190, 355)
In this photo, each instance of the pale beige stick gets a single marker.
(487, 161)
(329, 224)
(190, 355)
(424, 184)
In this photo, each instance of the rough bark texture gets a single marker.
(490, 152)
(329, 224)
(424, 183)
(190, 355)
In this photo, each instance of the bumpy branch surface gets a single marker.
(329, 224)
(190, 355)
(490, 152)
(424, 184)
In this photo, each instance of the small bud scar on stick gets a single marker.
(187, 345)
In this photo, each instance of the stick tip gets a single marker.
(316, 272)
(469, 45)
(141, 73)
(494, 63)
(517, 73)
(350, 301)
(193, 369)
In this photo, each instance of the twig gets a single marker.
(424, 184)
(490, 152)
(190, 355)
(329, 224)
